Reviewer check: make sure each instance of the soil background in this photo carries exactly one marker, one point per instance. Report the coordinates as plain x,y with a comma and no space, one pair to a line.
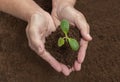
102,63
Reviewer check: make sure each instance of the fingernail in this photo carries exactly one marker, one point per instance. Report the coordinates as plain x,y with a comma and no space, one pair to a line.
88,35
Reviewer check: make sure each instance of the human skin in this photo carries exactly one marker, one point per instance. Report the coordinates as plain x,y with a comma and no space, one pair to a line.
41,24
64,9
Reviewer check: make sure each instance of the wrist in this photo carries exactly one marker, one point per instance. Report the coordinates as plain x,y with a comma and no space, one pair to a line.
33,12
63,3
31,9
38,16
59,5
22,9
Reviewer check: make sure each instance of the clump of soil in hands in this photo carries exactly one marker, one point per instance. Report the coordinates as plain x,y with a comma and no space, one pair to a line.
63,54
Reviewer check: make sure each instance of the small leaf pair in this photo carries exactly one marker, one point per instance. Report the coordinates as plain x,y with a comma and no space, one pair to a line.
61,41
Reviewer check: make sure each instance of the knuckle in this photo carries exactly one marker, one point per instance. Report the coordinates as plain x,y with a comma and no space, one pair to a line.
84,44
86,25
77,16
81,15
80,61
40,51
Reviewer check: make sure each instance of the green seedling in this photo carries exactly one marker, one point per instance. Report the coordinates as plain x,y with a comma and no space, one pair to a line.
65,29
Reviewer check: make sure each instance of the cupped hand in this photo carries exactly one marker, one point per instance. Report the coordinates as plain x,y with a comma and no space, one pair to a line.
75,17
39,27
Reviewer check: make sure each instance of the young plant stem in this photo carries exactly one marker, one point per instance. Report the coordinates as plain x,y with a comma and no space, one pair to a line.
66,37
73,43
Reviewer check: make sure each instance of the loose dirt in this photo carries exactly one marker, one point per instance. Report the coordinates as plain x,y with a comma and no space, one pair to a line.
63,54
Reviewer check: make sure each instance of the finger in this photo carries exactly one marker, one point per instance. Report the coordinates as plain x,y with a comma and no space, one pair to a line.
83,26
56,21
36,42
51,26
52,61
38,47
77,66
65,70
82,51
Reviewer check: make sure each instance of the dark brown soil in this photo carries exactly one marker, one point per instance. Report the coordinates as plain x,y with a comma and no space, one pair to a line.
18,63
63,54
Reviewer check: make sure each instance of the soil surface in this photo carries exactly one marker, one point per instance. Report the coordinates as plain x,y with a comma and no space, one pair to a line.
63,54
18,63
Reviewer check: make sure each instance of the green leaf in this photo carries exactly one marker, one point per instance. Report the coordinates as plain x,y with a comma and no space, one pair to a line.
64,26
61,42
73,44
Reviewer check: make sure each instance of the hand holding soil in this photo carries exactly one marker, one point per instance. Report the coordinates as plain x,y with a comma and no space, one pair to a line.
41,24
64,10
63,45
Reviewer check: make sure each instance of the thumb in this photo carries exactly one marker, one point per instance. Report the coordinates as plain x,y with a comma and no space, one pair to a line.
36,42
55,18
83,26
84,29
